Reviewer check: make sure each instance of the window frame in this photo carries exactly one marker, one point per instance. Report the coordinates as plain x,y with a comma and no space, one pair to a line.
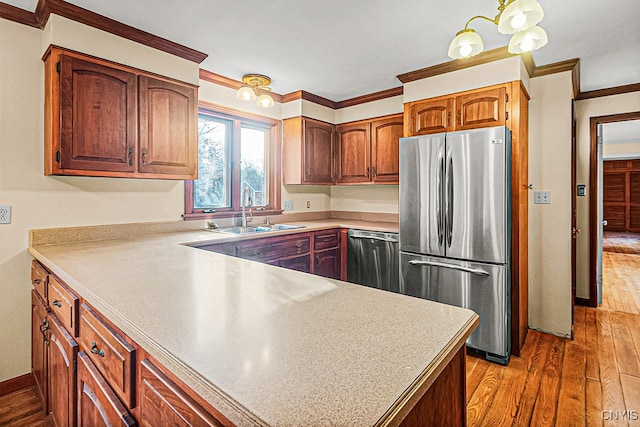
274,164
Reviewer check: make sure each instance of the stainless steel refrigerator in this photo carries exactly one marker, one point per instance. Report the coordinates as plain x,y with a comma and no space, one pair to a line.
455,228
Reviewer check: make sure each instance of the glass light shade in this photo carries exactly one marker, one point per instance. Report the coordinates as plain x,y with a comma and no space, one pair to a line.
465,44
528,40
265,101
245,93
520,15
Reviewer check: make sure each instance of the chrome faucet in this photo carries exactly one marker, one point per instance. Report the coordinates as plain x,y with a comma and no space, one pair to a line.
247,202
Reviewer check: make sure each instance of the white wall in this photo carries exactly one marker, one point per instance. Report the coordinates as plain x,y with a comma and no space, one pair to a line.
585,109
621,150
40,201
550,225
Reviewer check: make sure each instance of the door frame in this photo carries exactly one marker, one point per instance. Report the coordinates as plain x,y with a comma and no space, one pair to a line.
594,197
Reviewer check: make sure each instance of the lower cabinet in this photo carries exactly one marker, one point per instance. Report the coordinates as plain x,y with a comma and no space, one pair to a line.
98,405
62,374
302,263
327,263
39,349
163,403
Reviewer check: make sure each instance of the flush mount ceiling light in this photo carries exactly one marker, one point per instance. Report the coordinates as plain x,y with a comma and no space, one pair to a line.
254,87
517,17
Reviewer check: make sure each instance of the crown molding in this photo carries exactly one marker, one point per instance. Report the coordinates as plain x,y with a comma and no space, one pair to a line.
455,65
18,15
376,96
617,90
44,8
308,96
572,65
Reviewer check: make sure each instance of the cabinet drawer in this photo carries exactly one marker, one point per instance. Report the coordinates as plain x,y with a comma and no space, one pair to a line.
39,278
110,352
64,304
326,239
274,248
162,402
97,404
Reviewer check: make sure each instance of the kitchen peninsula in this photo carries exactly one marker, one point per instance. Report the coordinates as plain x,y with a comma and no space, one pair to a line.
256,344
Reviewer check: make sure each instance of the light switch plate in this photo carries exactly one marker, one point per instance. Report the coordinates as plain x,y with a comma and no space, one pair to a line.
288,205
5,214
542,197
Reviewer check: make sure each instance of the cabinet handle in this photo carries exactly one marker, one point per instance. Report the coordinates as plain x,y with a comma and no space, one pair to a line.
57,303
459,118
448,119
130,152
94,349
144,157
368,173
36,281
44,326
317,260
374,172
298,245
307,171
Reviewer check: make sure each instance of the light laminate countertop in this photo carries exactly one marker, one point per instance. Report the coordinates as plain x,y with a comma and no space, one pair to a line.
262,344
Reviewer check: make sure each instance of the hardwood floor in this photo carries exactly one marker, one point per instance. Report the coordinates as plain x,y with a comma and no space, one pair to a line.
588,381
624,243
23,408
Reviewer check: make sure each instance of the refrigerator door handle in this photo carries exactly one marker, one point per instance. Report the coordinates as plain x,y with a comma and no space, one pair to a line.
384,239
440,200
449,208
478,271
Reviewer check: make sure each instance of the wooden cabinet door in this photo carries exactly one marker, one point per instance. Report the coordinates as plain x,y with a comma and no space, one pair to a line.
481,109
385,139
354,152
97,404
168,137
63,350
634,200
98,123
430,116
302,263
163,403
317,152
39,328
614,207
327,264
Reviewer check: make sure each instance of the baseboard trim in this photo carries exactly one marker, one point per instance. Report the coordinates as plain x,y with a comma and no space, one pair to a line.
17,383
584,302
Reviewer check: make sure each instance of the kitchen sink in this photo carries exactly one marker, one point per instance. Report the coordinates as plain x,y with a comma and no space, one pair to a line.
259,229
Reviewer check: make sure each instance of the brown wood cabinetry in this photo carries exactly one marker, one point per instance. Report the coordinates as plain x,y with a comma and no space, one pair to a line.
327,253
367,150
61,374
621,195
301,263
97,403
466,110
39,279
112,355
39,353
500,105
163,403
107,119
308,151
64,304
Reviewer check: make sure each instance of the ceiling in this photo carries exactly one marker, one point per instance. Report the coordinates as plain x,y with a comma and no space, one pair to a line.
342,49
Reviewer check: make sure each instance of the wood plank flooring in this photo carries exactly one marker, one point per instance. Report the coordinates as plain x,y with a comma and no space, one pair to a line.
588,381
23,408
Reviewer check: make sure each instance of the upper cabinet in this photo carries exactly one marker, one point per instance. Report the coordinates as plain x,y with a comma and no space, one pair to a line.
308,151
367,150
467,110
106,119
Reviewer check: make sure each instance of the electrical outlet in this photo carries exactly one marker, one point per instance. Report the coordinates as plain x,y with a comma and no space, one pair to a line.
5,214
288,205
542,197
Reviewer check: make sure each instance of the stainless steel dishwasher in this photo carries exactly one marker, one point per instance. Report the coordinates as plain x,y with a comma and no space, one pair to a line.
373,259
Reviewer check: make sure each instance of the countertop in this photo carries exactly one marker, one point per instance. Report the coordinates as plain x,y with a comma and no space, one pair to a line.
264,345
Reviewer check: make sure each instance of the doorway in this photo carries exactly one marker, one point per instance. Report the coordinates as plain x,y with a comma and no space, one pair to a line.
614,191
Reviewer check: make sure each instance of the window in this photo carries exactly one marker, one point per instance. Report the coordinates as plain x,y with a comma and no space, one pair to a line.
235,151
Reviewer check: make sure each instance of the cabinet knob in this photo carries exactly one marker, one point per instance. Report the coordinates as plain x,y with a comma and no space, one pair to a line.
36,281
130,153
94,349
144,157
57,303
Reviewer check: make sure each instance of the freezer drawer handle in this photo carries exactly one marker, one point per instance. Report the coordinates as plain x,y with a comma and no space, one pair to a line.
477,271
384,239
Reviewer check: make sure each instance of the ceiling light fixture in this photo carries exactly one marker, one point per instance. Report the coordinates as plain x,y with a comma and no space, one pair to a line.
517,17
255,86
